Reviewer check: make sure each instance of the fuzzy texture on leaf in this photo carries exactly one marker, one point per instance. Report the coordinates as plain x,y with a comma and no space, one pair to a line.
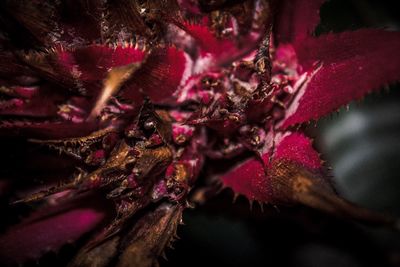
252,178
163,72
351,66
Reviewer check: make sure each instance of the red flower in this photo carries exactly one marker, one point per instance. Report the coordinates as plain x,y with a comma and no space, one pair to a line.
139,117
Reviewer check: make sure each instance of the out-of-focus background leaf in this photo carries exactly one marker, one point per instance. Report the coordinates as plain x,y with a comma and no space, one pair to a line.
363,147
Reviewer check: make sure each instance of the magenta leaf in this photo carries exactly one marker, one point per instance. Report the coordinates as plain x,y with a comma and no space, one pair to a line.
223,50
160,76
207,41
253,181
91,63
351,65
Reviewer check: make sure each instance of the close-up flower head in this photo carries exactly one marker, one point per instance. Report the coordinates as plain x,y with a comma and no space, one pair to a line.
119,117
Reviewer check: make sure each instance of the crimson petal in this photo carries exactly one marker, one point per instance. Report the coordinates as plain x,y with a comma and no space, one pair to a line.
352,64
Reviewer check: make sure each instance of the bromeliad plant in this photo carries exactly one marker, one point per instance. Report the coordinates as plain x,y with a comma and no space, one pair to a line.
138,97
